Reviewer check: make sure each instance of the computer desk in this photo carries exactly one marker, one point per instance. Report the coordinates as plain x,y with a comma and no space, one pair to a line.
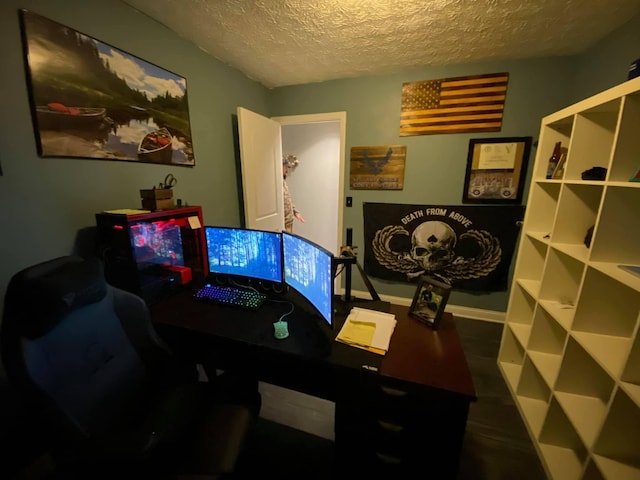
394,414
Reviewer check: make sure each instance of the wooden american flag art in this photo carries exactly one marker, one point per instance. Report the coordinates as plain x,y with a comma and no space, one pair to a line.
453,105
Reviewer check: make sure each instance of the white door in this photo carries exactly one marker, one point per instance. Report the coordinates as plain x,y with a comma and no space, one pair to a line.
318,188
261,166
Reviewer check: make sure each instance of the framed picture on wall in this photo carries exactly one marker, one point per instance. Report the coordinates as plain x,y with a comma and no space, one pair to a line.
430,300
92,100
496,170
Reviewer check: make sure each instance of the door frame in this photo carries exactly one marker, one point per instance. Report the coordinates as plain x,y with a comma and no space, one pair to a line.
340,117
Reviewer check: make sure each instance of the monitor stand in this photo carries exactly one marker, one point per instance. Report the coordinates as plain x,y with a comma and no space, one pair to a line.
343,304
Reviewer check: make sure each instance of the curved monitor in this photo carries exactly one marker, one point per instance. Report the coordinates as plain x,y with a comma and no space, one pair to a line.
250,254
308,268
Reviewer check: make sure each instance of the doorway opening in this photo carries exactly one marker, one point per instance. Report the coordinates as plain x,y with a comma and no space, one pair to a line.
317,183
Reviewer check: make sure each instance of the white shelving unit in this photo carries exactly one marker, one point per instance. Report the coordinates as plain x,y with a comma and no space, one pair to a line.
570,351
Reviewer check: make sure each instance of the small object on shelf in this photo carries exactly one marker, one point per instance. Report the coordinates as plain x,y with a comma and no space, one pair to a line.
558,172
634,69
636,176
554,160
635,269
588,236
594,173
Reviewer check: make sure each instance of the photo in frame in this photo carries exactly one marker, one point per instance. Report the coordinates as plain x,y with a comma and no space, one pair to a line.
91,100
430,300
496,170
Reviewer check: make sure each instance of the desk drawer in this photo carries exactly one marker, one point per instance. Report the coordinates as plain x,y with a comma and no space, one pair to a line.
395,428
396,404
395,456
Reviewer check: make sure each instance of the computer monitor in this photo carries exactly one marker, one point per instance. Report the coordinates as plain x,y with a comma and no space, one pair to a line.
157,242
308,268
244,254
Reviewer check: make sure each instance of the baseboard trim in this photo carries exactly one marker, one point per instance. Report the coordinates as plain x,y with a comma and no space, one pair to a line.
456,310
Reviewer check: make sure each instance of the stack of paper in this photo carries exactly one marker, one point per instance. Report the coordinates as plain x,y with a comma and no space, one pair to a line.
368,329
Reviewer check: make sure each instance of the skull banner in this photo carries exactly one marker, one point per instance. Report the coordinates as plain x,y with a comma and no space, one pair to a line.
469,247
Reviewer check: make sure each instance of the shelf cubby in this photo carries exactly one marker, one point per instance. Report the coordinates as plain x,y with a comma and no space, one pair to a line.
625,158
615,239
616,470
617,273
631,373
533,394
511,358
592,472
561,280
558,131
522,305
546,345
530,286
577,210
533,251
605,319
592,139
584,397
606,306
619,438
539,218
562,313
561,447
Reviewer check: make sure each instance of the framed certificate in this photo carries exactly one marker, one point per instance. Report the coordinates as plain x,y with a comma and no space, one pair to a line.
496,170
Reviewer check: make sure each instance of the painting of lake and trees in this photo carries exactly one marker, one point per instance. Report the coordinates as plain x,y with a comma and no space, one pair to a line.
91,100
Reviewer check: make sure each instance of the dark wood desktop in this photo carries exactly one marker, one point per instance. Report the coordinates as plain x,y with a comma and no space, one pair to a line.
394,413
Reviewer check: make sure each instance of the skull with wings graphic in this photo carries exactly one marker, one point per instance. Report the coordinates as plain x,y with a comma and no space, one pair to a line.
434,251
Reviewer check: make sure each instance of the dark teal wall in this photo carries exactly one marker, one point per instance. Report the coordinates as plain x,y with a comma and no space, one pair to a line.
435,164
46,201
606,64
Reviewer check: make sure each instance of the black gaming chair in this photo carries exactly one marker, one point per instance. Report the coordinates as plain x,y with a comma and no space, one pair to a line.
109,393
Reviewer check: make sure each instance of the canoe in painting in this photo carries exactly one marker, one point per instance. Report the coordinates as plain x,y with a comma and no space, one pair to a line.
156,146
57,116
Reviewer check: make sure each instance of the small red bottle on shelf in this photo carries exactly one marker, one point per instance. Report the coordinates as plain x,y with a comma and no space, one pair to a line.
555,158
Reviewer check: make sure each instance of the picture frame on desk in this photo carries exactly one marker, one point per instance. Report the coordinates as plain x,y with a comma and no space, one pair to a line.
429,301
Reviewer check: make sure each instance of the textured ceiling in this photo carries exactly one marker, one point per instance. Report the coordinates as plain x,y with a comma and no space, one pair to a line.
289,42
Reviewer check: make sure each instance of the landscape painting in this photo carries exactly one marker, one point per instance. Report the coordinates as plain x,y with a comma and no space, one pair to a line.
91,100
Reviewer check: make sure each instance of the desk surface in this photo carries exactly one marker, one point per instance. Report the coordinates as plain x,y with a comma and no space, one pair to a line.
417,354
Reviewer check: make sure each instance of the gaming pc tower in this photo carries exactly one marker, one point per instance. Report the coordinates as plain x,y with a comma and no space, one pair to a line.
152,254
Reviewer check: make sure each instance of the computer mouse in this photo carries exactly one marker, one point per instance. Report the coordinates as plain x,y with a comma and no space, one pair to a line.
281,330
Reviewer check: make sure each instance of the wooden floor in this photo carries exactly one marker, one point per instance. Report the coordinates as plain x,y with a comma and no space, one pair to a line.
294,436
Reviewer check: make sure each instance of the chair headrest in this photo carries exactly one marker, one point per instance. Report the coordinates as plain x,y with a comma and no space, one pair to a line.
42,295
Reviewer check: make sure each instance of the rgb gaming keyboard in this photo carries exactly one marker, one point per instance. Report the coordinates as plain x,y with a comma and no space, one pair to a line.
231,296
